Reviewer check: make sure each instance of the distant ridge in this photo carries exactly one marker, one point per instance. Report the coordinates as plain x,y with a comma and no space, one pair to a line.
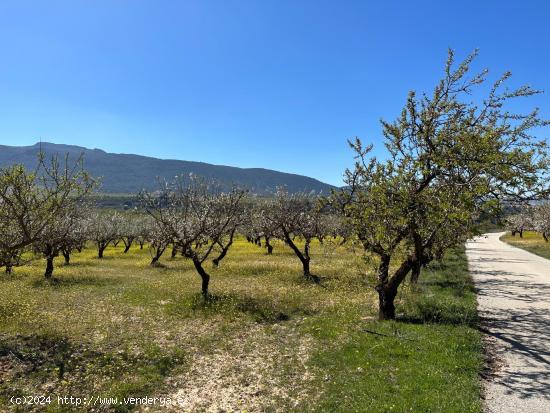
126,173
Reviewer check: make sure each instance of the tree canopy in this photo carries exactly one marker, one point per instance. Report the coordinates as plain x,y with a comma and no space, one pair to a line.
450,159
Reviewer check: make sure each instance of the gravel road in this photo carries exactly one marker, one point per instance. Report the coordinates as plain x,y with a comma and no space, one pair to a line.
514,303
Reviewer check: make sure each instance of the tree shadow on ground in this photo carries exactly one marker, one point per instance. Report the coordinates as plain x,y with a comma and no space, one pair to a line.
35,359
35,353
72,281
261,310
516,325
524,337
441,300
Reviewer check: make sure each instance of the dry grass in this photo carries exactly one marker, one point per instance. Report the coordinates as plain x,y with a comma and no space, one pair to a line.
531,241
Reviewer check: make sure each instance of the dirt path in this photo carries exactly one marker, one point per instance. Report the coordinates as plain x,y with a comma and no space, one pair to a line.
514,303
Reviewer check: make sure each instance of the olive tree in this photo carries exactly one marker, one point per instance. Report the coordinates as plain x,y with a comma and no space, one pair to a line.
195,217
449,159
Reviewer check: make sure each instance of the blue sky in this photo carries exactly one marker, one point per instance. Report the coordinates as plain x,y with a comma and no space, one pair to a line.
274,84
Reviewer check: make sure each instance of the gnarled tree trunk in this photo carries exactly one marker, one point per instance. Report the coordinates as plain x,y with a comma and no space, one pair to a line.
204,276
225,248
304,257
386,306
387,287
49,267
127,243
101,245
158,253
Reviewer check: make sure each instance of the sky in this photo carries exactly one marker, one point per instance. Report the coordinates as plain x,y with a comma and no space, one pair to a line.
266,83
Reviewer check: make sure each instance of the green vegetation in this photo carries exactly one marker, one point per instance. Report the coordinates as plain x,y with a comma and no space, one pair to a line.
531,241
429,361
266,340
451,161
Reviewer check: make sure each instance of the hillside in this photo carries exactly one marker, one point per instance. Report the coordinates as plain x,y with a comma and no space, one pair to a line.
126,173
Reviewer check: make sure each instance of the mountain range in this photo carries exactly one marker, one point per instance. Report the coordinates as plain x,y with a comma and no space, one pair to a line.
127,173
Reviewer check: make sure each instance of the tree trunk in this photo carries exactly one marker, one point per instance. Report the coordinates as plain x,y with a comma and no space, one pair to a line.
545,236
128,244
268,246
304,257
305,267
9,268
387,287
67,256
174,251
216,261
100,249
49,267
386,306
521,234
204,276
415,271
158,253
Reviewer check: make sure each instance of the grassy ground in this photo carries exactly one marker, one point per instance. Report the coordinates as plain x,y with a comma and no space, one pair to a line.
267,341
531,241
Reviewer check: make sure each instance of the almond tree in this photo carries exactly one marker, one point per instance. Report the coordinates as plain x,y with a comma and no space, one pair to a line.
58,237
523,221
77,236
31,200
159,238
449,160
540,219
9,257
226,241
297,220
130,229
104,228
259,225
145,227
195,217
